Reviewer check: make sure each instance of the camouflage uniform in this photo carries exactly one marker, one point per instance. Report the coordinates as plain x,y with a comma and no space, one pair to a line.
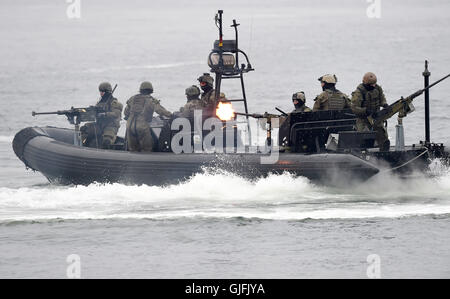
331,100
300,107
139,113
208,96
208,99
366,102
304,108
193,101
103,132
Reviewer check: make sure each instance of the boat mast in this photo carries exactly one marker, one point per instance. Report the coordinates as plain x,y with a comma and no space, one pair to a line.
426,76
224,62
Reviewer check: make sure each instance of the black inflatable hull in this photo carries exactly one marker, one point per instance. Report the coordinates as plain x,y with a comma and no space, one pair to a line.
50,151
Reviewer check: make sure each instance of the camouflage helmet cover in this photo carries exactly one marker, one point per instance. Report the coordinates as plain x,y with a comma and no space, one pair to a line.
105,87
146,86
328,78
299,96
222,97
192,91
206,77
369,78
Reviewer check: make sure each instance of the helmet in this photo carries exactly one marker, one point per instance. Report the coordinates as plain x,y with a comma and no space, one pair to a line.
146,86
369,78
206,77
328,79
105,87
222,97
192,91
299,96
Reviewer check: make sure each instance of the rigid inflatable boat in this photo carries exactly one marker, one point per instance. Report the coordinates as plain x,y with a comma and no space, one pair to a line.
51,151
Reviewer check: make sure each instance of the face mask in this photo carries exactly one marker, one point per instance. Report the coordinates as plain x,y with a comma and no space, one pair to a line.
146,91
105,96
330,86
205,88
299,104
369,87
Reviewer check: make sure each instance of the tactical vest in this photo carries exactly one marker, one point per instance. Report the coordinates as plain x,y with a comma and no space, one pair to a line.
140,110
370,99
190,106
106,107
206,97
336,100
193,104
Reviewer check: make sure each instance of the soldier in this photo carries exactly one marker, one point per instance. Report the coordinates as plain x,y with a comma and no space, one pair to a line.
103,132
330,98
366,101
207,85
139,113
299,100
193,101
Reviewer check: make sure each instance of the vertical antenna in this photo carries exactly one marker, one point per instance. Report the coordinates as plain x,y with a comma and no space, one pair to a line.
220,29
219,76
426,76
235,25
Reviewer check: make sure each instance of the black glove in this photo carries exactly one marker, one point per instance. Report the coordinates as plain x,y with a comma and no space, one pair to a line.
369,111
385,105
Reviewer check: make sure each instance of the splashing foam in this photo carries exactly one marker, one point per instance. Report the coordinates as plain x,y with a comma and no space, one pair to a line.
434,183
224,195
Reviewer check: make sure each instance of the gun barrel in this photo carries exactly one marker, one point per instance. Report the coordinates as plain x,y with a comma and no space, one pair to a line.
282,112
243,114
256,115
33,113
438,81
419,92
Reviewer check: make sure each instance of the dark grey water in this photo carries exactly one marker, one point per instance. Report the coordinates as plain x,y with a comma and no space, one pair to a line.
228,248
216,224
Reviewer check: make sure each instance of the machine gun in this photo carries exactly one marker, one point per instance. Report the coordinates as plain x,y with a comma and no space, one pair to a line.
268,117
403,106
75,116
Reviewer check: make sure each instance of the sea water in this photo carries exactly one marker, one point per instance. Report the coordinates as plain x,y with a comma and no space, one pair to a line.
218,224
